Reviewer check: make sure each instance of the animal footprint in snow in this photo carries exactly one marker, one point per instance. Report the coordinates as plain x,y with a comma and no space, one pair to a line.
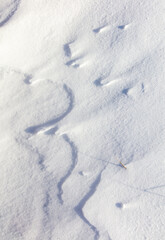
119,205
30,80
83,173
100,29
73,63
105,81
73,54
123,27
135,91
67,49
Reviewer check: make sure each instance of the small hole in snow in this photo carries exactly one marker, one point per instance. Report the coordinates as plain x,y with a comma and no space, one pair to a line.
119,205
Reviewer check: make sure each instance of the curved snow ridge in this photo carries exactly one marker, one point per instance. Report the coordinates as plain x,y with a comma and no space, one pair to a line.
43,127
41,161
46,221
47,186
81,204
74,159
8,11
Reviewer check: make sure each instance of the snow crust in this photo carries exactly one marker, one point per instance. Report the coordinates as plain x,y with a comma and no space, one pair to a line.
82,89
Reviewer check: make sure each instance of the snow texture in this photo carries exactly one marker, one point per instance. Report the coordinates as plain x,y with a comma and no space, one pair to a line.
82,92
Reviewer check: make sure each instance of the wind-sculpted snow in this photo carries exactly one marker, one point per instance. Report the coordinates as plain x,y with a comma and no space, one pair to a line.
45,126
82,100
80,206
7,10
74,159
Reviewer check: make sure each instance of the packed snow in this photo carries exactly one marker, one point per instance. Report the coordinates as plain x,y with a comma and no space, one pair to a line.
82,107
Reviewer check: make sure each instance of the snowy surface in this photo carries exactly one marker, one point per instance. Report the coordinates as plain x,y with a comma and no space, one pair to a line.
82,87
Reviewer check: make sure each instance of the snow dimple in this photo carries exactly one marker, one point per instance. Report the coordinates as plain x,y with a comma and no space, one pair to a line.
8,11
28,78
74,159
119,205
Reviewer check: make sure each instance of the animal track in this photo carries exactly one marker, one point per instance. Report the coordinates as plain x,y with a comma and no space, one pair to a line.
125,91
82,173
134,91
73,54
67,49
73,63
99,29
123,27
101,81
8,11
30,80
119,205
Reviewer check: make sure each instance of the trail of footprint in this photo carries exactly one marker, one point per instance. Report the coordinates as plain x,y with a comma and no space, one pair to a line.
8,11
27,79
134,91
46,126
99,29
101,81
73,63
30,80
123,27
80,206
104,27
71,168
67,49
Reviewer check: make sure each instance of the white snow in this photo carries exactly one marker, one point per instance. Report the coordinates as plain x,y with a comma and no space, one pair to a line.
82,89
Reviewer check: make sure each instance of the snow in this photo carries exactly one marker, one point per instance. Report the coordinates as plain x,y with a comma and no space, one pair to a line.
82,89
